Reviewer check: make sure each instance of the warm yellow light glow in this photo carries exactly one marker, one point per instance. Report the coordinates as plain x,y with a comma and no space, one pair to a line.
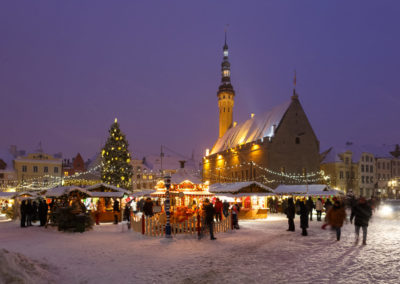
122,178
252,115
234,123
128,160
115,120
220,157
207,152
255,147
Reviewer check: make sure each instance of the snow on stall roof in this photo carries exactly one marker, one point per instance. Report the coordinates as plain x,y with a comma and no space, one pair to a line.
185,174
236,187
118,194
62,190
108,186
255,128
301,188
7,195
143,192
259,194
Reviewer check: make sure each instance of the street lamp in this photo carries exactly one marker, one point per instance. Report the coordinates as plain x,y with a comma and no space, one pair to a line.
167,183
393,184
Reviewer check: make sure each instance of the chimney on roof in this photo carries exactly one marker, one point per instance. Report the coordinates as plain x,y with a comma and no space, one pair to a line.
182,164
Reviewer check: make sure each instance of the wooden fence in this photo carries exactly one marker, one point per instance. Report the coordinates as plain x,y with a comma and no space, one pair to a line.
195,225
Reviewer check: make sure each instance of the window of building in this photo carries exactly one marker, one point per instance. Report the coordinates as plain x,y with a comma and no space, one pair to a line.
65,174
362,158
352,174
366,168
379,176
341,174
361,192
372,179
388,166
367,179
347,175
24,169
347,160
297,140
362,168
366,158
371,169
56,169
383,165
378,165
46,169
362,179
35,169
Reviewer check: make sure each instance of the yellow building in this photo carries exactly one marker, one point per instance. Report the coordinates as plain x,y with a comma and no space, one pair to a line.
36,170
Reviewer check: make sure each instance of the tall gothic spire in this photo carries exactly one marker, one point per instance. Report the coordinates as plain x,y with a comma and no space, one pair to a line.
226,85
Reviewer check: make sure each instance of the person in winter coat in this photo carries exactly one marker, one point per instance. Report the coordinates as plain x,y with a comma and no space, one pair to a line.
218,210
235,216
310,206
297,206
148,208
43,208
335,217
290,214
328,205
303,218
23,213
225,208
318,208
116,211
362,212
29,213
209,211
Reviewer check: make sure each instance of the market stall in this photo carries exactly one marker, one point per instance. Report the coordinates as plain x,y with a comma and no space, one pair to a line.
102,199
252,196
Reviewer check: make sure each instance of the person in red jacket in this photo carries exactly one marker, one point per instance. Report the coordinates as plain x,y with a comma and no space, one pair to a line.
218,210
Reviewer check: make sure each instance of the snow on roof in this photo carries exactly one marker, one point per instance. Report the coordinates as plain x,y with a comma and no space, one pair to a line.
62,190
236,187
255,128
7,195
260,194
8,158
379,151
118,194
104,185
143,192
301,188
185,174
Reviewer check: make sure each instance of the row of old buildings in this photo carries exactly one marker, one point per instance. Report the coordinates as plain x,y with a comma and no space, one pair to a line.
278,146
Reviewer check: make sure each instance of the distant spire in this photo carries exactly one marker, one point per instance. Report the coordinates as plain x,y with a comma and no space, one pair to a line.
226,85
294,96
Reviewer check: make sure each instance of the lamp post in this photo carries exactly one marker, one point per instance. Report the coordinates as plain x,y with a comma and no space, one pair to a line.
167,183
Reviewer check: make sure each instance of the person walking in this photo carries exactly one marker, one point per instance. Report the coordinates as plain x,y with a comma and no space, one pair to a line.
310,206
361,214
335,217
116,211
318,208
23,213
303,218
218,210
290,214
209,211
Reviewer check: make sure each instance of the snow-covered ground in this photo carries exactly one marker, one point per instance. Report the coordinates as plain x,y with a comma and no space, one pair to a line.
260,252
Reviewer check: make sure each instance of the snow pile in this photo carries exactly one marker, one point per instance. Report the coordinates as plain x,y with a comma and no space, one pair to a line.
17,268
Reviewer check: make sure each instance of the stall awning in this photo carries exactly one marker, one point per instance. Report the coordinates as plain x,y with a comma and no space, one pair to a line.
240,187
313,189
100,187
64,190
7,195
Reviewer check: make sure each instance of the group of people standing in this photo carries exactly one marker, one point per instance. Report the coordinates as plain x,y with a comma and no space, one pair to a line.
31,211
361,212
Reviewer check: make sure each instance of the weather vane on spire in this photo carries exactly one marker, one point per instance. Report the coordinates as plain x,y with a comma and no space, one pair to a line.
295,79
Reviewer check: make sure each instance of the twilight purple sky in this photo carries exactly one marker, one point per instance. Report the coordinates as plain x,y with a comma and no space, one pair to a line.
68,68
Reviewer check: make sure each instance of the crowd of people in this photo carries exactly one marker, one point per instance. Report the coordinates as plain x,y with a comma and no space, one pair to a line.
32,211
361,212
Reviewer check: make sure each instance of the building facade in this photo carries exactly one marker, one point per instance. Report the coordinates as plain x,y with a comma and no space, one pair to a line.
278,146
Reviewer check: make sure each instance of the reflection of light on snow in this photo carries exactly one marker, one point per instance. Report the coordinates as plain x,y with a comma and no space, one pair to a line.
386,210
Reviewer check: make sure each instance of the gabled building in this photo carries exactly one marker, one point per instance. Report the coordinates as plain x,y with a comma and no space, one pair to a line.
278,146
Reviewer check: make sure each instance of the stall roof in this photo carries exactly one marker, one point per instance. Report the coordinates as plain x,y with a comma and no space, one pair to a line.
184,174
142,192
313,189
235,187
107,194
62,190
7,195
104,185
258,194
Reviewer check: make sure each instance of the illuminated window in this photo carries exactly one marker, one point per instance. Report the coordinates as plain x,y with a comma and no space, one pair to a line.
66,174
24,169
35,169
46,169
226,73
55,169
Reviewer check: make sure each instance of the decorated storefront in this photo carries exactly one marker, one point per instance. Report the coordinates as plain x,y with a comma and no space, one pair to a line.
251,196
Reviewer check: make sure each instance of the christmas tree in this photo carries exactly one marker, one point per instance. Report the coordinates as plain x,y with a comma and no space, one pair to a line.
115,165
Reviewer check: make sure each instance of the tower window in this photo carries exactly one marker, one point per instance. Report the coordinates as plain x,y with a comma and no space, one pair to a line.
297,140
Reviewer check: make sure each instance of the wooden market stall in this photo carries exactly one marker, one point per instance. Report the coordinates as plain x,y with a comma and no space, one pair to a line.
102,201
313,190
253,197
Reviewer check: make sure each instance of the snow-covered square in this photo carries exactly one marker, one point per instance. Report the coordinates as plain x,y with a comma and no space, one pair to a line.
262,251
